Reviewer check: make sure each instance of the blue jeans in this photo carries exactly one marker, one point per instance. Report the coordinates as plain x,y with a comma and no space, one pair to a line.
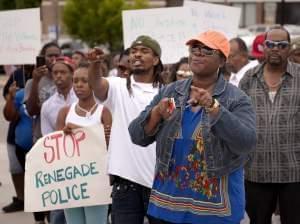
87,215
130,202
57,217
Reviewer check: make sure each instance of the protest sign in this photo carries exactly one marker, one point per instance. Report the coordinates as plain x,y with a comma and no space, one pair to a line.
64,171
20,36
172,27
215,17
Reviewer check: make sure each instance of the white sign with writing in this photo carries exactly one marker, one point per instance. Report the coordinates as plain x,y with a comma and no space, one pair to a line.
20,36
208,16
64,171
173,27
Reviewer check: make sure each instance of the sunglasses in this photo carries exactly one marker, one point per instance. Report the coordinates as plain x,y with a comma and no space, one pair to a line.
279,44
203,50
184,74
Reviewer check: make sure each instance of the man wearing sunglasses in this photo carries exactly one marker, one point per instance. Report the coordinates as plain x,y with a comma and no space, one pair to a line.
274,173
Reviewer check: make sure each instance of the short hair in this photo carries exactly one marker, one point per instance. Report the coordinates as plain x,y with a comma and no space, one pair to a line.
79,52
48,45
83,64
241,44
124,53
278,27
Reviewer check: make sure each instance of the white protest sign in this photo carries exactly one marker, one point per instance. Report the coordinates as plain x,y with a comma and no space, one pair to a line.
208,16
20,36
64,171
171,27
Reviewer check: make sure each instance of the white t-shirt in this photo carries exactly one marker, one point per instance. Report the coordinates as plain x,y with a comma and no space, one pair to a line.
235,78
126,159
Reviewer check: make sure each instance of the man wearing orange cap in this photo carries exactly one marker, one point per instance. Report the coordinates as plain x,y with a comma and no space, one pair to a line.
202,141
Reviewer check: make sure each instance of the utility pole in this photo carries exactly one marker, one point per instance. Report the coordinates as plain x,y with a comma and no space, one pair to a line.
56,13
282,10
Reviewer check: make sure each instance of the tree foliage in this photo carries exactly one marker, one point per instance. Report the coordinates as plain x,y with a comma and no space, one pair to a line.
98,21
19,4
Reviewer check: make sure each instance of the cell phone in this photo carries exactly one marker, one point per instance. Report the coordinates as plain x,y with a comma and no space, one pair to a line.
40,61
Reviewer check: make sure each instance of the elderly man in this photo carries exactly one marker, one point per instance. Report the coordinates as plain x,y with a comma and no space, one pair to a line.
295,51
238,60
274,173
204,129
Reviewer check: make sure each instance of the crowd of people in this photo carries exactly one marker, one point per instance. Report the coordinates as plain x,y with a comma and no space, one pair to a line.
204,140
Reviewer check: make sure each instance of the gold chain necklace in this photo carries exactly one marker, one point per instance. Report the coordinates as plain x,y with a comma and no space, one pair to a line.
88,113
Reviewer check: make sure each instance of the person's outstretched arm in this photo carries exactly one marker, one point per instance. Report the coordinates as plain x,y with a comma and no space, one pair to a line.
96,70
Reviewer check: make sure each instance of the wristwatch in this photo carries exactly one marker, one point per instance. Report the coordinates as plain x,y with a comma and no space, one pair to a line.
215,104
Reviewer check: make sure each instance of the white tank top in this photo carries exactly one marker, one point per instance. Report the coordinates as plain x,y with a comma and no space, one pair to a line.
74,118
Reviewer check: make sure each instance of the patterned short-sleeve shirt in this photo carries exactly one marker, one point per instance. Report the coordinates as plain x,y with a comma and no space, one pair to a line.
277,155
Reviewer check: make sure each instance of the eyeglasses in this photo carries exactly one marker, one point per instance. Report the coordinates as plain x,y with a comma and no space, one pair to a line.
279,44
203,50
184,74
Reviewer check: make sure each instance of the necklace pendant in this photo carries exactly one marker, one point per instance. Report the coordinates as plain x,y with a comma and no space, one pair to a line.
88,114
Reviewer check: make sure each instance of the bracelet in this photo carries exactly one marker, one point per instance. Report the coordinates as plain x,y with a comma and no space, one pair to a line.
215,104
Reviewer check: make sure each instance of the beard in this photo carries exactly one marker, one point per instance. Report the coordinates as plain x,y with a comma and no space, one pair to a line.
138,71
275,60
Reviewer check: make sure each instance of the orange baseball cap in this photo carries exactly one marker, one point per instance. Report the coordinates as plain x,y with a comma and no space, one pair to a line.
214,40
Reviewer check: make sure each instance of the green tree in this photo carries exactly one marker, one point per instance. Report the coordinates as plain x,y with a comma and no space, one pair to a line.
98,21
19,4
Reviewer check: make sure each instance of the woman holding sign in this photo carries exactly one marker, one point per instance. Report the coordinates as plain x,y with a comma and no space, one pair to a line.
85,112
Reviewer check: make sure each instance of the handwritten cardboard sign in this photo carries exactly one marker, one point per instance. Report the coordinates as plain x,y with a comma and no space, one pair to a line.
215,17
173,27
64,171
20,36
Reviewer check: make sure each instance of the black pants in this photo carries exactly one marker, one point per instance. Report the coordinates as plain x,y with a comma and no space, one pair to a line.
261,200
130,203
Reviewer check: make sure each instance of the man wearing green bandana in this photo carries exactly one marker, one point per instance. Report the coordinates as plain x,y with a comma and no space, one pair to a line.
130,166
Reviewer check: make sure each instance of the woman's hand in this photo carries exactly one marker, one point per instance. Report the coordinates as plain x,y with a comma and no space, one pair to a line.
200,97
68,129
12,90
164,109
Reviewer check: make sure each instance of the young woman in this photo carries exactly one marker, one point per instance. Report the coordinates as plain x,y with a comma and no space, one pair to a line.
180,70
85,112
